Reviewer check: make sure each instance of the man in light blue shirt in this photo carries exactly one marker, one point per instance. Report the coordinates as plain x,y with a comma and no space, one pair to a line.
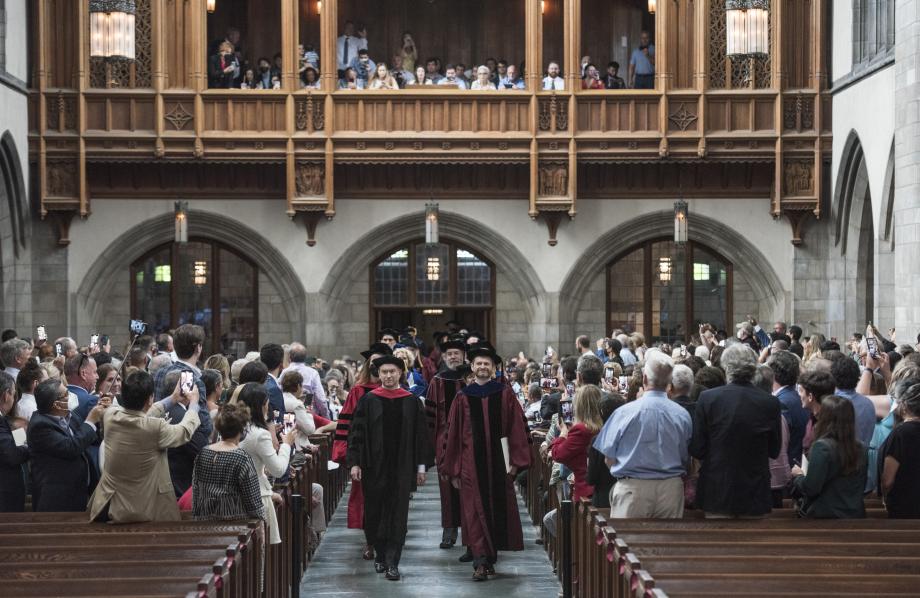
642,64
511,79
646,446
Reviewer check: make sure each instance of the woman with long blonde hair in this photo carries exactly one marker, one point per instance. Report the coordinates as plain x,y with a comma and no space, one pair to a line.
813,347
571,448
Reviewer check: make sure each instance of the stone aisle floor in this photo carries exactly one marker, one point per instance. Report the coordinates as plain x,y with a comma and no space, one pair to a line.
427,571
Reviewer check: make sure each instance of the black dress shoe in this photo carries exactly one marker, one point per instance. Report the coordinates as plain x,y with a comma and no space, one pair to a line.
490,569
448,538
480,574
380,567
393,574
368,552
467,556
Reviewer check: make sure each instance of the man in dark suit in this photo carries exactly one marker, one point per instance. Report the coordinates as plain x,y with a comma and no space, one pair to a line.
785,368
62,477
12,486
736,430
272,356
188,342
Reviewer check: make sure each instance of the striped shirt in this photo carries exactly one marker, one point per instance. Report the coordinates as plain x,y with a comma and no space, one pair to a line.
225,486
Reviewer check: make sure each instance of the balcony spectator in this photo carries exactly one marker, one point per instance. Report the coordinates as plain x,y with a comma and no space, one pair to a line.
135,484
62,473
500,71
450,78
223,67
585,61
432,71
613,80
552,80
351,81
382,79
408,54
833,487
402,76
592,79
12,457
347,46
264,74
364,67
511,80
462,74
310,78
249,79
642,64
277,65
493,68
309,55
482,81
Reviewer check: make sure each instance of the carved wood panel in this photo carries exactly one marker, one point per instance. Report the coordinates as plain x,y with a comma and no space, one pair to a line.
798,177
739,114
614,113
309,179
797,43
443,114
242,113
120,114
61,113
61,179
682,46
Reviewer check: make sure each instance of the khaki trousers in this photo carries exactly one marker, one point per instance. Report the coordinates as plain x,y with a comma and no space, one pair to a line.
632,498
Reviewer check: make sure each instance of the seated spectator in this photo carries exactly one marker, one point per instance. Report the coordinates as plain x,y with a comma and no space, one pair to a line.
264,74
645,445
450,78
836,478
335,389
277,66
612,79
225,485
736,430
260,443
402,76
585,61
30,376
223,67
364,67
421,77
12,457
62,474
900,479
432,71
350,80
532,408
249,79
382,79
552,80
462,75
135,484
511,80
482,81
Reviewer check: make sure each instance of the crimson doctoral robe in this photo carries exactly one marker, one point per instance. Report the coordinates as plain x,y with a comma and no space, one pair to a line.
480,416
441,392
340,447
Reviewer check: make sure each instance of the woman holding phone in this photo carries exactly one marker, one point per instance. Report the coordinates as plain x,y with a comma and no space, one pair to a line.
109,382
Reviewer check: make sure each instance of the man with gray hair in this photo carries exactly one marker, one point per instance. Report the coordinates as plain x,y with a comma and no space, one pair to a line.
68,346
311,381
15,353
645,445
736,431
681,385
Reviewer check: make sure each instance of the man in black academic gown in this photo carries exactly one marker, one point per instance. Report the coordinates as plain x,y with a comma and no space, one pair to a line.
441,392
389,450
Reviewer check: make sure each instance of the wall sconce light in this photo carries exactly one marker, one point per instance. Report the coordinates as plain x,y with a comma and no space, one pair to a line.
432,312
212,6
319,7
181,211
431,223
680,221
652,6
543,7
664,269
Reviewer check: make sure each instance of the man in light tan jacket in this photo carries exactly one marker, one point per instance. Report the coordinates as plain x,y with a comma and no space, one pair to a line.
135,484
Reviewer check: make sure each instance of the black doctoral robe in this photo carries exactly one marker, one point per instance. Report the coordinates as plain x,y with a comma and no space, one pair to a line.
388,440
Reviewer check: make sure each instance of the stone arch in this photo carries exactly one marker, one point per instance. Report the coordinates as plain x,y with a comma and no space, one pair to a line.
854,233
712,233
128,247
513,272
15,272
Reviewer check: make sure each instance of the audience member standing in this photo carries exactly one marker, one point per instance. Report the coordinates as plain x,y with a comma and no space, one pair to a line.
846,375
136,484
785,366
645,445
642,64
14,354
736,432
901,458
62,475
836,479
12,457
311,381
272,356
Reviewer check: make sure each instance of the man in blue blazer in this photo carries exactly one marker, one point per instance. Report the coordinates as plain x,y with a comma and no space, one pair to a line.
272,356
62,476
785,366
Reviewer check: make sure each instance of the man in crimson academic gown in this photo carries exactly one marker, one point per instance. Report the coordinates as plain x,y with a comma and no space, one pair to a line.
484,417
441,392
389,450
340,440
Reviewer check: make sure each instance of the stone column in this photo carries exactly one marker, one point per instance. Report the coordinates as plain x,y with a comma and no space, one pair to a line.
907,169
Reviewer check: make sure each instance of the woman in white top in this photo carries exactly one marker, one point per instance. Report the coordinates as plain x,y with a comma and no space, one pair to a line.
382,79
482,79
421,76
267,455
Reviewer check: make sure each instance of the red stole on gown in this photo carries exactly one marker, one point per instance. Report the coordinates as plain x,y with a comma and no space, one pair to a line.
339,446
481,415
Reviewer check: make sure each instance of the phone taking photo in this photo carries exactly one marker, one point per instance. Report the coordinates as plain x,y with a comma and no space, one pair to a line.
94,343
608,375
186,380
40,333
